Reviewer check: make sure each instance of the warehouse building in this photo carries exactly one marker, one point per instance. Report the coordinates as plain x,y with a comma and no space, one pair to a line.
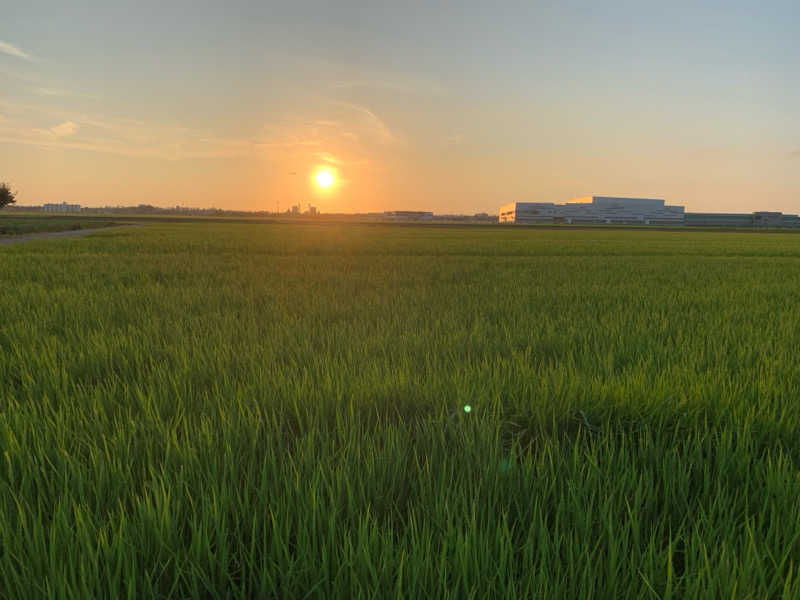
409,215
756,219
594,210
635,211
62,208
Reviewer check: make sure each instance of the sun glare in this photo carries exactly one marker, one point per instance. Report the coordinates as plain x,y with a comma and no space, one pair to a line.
324,178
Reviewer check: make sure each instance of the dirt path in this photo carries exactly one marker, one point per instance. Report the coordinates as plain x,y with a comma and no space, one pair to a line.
27,237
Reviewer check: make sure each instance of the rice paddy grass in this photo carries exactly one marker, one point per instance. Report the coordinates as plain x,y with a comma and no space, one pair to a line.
14,224
212,410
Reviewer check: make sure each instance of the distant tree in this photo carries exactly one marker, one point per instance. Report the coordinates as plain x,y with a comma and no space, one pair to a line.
6,195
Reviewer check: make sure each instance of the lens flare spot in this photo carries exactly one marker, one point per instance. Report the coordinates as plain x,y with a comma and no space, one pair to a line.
467,408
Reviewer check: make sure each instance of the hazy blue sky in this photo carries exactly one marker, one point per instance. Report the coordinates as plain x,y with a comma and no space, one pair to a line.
452,107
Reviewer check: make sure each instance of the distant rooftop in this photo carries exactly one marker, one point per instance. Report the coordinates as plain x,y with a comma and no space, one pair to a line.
615,201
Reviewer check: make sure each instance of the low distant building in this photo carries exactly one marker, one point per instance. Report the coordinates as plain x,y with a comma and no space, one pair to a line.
312,211
409,215
595,210
635,211
61,208
790,220
755,219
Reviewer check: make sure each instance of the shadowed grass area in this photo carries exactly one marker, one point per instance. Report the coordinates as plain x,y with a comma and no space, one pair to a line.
16,224
233,410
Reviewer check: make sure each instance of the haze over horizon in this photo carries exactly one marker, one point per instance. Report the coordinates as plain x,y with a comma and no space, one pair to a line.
455,108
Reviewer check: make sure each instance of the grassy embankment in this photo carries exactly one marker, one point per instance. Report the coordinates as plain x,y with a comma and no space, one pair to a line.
231,410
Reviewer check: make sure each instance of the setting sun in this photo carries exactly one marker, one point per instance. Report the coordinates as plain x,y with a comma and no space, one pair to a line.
324,178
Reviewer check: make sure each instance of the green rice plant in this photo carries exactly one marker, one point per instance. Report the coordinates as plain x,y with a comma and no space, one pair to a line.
13,224
233,410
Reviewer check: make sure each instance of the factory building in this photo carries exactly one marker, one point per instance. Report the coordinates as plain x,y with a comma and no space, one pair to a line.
635,211
756,219
594,210
62,208
409,215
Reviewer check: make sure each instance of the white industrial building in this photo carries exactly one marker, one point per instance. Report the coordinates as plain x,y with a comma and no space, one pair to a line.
594,209
62,208
409,215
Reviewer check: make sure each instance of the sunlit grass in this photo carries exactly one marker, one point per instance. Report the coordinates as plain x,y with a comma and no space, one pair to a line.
231,410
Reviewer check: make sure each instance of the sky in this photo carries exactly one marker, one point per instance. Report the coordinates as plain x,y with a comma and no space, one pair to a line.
452,107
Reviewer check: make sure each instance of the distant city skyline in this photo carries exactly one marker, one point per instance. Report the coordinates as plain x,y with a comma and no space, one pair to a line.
366,107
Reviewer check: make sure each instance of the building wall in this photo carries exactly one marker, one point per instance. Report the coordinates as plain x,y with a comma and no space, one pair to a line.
597,210
63,207
756,219
634,211
790,221
410,215
634,204
506,213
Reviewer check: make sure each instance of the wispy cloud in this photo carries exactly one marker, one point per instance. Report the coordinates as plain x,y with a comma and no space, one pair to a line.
407,86
55,132
339,133
12,50
370,123
329,158
24,77
131,137
338,161
64,129
44,91
35,84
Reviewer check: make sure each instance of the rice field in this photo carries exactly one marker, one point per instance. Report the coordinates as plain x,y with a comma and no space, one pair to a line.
229,410
14,224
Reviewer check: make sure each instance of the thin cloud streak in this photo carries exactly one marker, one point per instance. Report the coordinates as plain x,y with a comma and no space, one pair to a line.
61,130
12,50
126,137
64,129
372,122
329,158
39,91
24,77
403,87
348,138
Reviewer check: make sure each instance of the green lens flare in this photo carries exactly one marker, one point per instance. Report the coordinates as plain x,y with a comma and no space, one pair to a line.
467,408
